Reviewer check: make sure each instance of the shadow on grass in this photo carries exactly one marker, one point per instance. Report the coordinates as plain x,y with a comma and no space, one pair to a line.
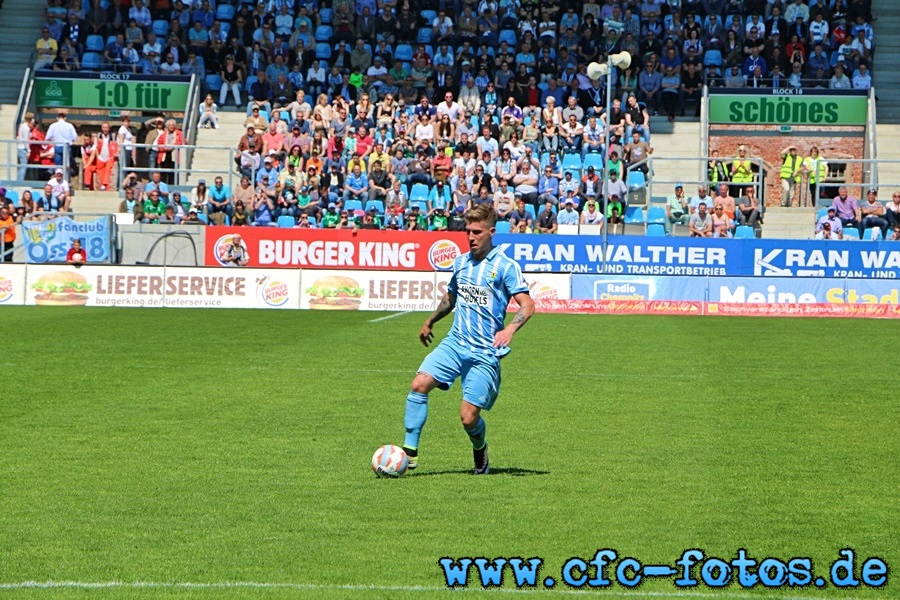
508,471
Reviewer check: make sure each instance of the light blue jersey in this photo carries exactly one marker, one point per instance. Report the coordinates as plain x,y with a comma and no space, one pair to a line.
483,291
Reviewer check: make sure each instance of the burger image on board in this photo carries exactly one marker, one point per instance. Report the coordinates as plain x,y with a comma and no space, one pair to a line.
61,288
335,292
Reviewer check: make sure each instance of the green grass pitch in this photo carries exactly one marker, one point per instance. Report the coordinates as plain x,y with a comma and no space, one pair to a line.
150,450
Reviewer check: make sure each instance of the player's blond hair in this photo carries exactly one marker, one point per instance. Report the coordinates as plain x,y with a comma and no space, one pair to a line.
482,213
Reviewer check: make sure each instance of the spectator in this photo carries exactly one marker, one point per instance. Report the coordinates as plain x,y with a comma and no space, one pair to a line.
47,48
8,231
834,223
873,213
590,215
701,224
207,110
678,209
847,209
747,212
546,222
791,167
892,211
721,222
568,216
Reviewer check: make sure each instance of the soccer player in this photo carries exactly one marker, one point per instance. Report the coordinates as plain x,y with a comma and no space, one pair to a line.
483,282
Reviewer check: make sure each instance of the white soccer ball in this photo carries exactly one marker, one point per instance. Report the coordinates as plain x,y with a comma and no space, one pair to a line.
78,257
390,461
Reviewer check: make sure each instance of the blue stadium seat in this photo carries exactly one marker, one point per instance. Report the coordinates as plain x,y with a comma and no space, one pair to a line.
508,36
324,33
224,12
713,57
424,36
323,51
634,215
656,230
423,206
94,43
851,233
326,16
530,210
203,218
250,81
377,204
502,227
572,162
428,16
744,232
636,180
593,159
419,191
13,196
90,61
213,82
656,215
404,53
160,27
822,212
286,221
872,234
353,205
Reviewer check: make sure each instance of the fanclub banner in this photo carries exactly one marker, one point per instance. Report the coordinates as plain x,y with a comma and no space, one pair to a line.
719,257
65,285
50,240
338,248
12,284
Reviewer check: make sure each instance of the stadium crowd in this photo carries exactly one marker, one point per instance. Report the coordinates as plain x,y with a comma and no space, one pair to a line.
403,114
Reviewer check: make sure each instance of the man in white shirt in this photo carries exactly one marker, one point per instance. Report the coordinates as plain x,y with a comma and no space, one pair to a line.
60,189
62,134
450,108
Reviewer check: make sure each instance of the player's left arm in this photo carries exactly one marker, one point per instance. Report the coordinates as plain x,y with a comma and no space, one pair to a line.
526,308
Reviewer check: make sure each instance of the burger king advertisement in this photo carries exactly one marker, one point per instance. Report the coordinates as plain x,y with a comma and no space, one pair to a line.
344,249
372,290
175,287
12,288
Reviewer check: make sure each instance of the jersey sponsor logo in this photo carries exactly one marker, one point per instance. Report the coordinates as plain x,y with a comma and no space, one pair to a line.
474,294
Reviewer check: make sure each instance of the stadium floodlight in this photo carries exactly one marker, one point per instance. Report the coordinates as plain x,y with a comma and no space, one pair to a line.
595,71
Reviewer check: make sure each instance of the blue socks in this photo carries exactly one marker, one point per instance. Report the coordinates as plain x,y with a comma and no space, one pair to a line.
477,434
416,415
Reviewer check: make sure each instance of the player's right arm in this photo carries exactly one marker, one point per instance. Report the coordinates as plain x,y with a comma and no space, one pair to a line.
445,307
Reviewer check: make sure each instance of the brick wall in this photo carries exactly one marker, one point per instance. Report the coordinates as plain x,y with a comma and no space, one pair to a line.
769,148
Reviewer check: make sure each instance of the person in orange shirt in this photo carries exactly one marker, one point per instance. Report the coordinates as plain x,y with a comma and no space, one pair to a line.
8,228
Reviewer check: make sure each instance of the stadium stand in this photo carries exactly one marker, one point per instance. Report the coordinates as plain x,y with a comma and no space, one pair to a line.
345,83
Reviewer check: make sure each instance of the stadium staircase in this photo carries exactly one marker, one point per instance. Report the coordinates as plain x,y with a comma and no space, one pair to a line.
231,128
20,27
886,76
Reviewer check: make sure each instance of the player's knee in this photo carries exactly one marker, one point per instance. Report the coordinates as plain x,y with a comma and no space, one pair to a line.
468,417
421,384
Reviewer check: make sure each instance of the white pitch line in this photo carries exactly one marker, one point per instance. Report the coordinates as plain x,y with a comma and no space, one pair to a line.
94,585
399,314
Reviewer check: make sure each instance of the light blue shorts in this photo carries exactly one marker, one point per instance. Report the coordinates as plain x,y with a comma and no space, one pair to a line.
480,372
